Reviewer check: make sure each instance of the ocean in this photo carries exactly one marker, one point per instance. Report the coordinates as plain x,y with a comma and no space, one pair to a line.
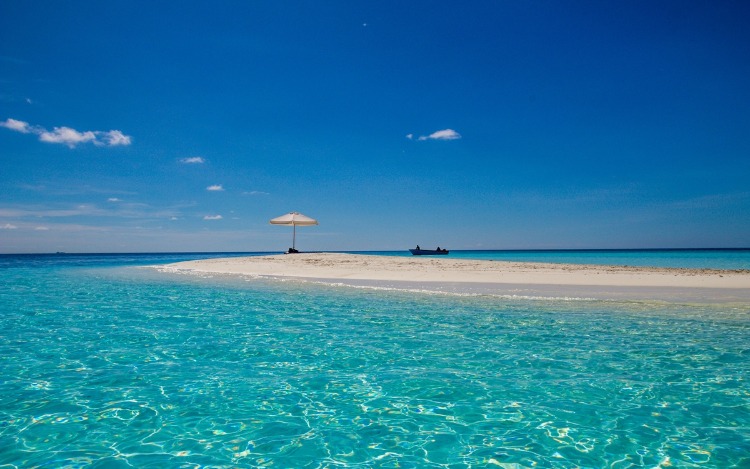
727,259
106,362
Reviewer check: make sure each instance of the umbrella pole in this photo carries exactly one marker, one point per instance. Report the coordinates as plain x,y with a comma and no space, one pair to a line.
294,235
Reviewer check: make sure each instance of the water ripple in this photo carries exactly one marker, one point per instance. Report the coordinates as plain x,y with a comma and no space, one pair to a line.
109,368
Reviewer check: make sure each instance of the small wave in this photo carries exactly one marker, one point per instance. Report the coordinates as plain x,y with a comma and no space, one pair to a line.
428,291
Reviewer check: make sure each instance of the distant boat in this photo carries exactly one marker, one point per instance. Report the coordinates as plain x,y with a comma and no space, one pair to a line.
429,252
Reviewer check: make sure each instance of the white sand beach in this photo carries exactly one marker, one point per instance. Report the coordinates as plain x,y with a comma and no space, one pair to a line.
483,276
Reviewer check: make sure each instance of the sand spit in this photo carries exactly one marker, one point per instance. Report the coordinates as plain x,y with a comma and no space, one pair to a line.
336,266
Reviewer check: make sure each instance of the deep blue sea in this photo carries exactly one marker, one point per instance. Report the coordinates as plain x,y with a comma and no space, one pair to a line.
107,363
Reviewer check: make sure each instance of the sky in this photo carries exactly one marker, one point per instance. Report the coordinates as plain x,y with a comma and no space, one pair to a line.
154,126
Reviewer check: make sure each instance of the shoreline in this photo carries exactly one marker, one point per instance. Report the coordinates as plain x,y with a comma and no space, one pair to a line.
486,277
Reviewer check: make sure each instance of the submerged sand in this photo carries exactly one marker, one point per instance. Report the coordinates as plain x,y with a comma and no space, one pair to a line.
439,273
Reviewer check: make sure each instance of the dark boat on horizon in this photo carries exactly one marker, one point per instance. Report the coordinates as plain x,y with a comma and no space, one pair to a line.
429,252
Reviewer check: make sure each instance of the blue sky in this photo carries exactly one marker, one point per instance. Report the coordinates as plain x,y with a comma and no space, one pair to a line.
185,126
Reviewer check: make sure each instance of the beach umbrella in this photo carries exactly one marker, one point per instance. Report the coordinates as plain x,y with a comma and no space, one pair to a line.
295,219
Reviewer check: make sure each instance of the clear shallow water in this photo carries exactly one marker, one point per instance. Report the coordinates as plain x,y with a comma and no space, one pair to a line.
124,366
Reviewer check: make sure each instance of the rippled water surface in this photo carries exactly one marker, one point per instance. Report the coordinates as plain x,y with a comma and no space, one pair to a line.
128,367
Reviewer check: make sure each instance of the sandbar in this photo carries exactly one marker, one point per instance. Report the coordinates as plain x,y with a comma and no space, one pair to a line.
485,276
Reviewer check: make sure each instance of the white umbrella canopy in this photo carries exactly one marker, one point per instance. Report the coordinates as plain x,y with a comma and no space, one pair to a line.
294,219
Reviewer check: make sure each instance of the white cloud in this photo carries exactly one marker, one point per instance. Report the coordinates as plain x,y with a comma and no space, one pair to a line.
215,187
213,217
447,134
193,160
41,228
18,126
255,193
68,136
8,226
114,138
114,199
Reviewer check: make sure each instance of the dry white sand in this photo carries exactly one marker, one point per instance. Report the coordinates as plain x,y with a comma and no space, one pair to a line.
463,274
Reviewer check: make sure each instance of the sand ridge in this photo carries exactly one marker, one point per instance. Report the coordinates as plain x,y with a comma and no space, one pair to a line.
443,269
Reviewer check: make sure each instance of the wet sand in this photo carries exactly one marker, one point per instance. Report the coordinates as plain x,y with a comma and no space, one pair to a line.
486,277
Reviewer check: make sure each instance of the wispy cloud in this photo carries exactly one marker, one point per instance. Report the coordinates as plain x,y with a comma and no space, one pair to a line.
120,209
59,188
447,134
213,217
114,138
215,188
68,136
18,126
8,226
43,212
193,160
255,193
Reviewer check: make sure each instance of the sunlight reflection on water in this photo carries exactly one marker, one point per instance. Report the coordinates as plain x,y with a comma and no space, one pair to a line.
127,366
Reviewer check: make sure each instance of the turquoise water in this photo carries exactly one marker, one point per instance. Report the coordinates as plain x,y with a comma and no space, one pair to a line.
107,364
728,259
